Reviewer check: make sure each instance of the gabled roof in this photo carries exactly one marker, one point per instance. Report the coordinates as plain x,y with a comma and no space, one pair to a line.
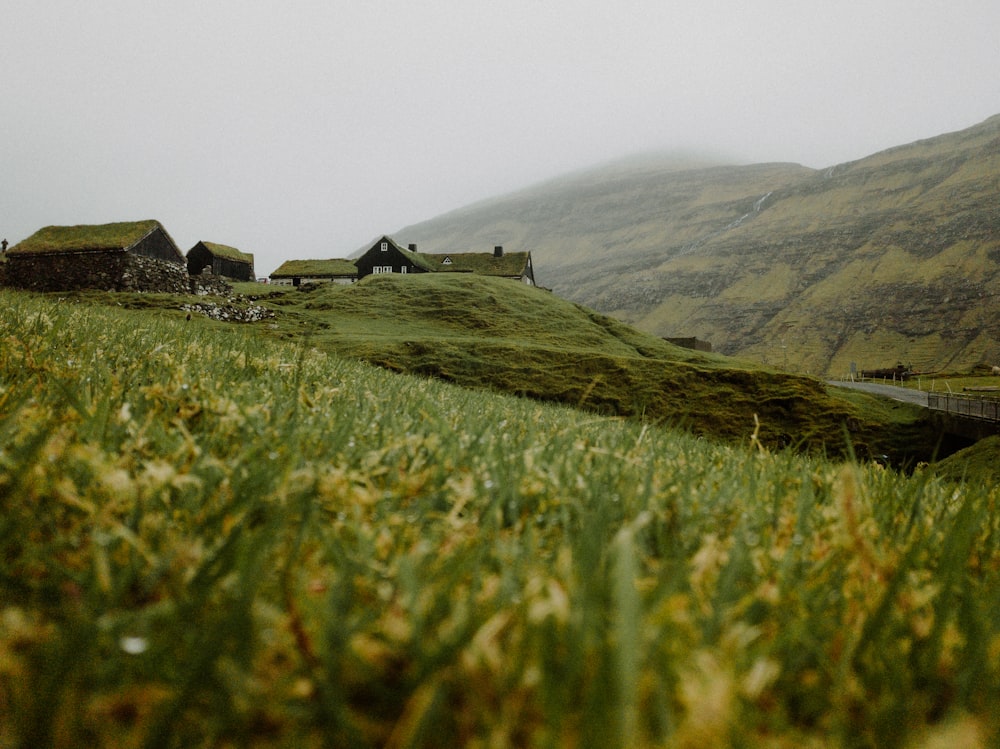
231,253
119,236
419,259
315,269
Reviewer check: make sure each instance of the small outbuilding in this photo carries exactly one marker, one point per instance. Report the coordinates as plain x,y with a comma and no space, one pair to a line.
298,272
127,256
220,260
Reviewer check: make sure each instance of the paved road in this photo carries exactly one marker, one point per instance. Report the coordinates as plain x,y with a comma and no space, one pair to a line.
907,395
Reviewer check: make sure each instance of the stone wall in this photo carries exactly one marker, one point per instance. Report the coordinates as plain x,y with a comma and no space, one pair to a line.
151,274
207,284
105,271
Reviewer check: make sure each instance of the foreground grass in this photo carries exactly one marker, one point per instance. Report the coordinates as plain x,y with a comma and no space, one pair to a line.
211,539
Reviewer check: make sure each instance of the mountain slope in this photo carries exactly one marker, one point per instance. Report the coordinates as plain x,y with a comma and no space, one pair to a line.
893,257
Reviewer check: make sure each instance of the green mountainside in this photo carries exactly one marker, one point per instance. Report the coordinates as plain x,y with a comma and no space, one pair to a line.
891,258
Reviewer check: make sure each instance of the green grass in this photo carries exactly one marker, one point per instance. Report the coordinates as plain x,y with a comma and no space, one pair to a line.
221,250
958,383
496,334
86,237
976,464
315,268
213,538
510,264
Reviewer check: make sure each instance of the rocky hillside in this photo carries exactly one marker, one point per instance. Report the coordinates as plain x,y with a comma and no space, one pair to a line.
891,258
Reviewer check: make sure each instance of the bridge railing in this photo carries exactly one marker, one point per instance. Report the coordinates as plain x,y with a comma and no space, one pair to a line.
987,409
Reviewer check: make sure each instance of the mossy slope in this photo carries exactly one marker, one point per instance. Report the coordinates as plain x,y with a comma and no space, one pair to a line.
494,333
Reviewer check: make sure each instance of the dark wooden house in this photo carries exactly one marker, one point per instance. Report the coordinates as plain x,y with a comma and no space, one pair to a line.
220,260
128,256
385,256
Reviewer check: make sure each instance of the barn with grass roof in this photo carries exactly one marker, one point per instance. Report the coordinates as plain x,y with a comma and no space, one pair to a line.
220,260
127,256
299,272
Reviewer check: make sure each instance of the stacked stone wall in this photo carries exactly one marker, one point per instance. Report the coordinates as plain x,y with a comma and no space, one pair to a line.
104,271
207,284
154,275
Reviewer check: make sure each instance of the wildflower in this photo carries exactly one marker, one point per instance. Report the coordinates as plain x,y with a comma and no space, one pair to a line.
133,645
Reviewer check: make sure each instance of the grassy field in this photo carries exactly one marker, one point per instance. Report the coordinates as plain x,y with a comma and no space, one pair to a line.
211,537
491,333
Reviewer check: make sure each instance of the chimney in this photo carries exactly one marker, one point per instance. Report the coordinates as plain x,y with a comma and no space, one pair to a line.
498,251
411,247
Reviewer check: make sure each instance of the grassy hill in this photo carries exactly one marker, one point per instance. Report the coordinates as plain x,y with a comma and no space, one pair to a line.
493,333
212,537
891,258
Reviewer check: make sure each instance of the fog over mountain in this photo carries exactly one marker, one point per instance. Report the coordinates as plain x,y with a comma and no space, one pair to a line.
303,130
891,258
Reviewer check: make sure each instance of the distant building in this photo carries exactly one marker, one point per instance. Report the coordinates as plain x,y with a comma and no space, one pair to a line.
385,256
298,272
128,256
221,260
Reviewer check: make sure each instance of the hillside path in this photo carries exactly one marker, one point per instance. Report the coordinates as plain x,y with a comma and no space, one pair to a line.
907,395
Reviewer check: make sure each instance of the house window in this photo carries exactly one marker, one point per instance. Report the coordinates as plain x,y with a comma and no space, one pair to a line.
403,269
382,269
385,246
446,261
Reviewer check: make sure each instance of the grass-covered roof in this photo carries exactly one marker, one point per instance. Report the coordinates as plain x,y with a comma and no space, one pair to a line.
117,236
316,269
484,263
221,250
421,259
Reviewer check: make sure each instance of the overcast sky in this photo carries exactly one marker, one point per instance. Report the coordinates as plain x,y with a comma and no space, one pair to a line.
305,128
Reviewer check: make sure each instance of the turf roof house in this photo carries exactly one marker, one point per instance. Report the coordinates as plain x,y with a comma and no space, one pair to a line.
221,261
385,256
128,256
298,272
